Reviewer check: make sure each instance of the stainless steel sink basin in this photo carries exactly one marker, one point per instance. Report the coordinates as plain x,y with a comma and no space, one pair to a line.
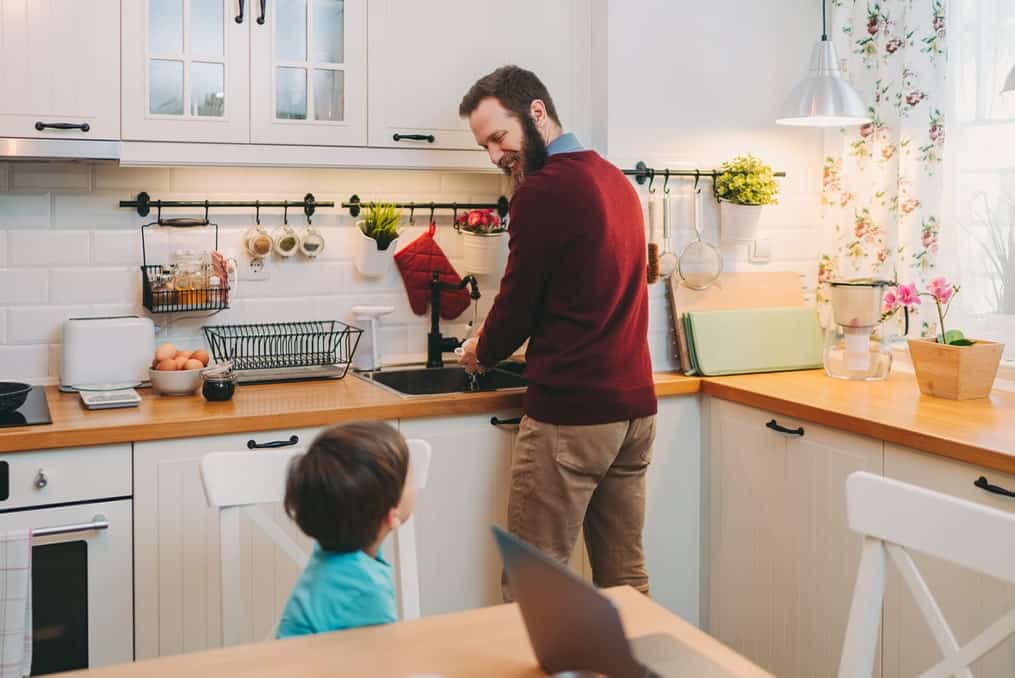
420,381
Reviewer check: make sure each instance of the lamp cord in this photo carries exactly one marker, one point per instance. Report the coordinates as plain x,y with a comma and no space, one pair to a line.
824,23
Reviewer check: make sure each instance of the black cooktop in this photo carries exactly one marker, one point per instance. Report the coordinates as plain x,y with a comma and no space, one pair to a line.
34,411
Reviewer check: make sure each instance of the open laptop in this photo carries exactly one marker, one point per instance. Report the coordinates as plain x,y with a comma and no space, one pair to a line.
573,627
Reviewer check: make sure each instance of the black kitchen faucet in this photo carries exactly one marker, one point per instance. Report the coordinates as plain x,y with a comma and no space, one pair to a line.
436,345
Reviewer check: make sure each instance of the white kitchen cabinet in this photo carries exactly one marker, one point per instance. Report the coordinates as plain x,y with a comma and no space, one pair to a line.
467,491
782,559
673,510
970,602
308,73
176,549
58,65
418,75
186,70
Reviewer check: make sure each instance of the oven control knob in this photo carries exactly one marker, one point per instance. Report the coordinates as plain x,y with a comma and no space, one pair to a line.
41,480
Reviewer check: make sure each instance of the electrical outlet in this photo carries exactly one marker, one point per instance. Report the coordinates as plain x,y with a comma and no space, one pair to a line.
760,251
254,270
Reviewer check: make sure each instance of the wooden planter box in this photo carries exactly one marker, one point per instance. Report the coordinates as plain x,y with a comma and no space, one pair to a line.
955,372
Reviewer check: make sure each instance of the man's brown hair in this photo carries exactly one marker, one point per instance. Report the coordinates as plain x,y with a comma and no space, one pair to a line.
515,88
340,491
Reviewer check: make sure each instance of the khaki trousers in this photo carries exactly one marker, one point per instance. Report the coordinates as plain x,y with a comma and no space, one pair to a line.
564,478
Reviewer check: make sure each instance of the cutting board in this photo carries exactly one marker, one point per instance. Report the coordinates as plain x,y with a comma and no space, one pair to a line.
732,291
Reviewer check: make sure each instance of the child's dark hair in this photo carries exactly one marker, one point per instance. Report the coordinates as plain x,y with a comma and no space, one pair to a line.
341,489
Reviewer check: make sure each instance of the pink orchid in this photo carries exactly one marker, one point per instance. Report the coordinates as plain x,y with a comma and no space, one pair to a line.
941,290
907,295
890,303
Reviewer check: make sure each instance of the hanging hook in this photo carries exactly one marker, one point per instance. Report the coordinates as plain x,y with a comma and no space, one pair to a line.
412,214
257,212
432,208
285,212
206,212
666,183
454,216
158,213
697,178
651,180
309,221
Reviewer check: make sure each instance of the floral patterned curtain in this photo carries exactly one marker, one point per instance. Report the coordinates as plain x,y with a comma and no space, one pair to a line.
882,191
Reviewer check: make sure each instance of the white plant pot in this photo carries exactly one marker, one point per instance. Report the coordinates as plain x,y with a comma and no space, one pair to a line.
739,222
485,253
370,261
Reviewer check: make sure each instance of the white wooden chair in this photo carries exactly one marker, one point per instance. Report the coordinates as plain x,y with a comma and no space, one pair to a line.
236,482
896,517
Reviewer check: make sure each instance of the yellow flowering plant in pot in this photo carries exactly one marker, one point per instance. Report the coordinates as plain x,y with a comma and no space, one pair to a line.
743,187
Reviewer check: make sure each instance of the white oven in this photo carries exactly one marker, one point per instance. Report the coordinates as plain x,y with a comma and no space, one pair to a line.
77,502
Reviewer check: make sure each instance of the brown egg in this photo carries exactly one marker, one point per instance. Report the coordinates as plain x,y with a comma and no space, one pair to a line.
202,355
193,364
180,362
166,365
165,352
184,354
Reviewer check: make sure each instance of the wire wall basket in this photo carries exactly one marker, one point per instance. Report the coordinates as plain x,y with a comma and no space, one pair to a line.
285,351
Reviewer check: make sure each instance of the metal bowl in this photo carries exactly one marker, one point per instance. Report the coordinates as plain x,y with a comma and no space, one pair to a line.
13,395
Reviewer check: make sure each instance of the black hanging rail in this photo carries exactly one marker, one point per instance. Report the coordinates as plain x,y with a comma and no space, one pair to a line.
144,204
354,205
643,172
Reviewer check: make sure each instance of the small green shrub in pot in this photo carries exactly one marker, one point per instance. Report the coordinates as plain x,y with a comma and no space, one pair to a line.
381,224
745,180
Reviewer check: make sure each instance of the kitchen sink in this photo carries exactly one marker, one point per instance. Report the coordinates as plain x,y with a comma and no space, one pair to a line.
420,381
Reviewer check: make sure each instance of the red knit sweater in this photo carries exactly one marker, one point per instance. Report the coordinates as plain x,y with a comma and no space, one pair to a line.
575,287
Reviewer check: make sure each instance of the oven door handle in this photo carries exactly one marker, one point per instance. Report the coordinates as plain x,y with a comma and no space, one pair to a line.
99,522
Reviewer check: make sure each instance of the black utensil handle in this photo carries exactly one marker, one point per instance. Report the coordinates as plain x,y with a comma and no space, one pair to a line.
775,426
183,222
982,483
264,12
497,421
239,17
429,138
83,126
254,445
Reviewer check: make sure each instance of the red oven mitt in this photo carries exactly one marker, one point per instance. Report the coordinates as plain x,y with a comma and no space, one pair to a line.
417,262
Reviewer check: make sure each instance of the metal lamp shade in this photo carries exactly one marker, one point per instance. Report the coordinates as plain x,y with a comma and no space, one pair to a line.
824,98
1009,83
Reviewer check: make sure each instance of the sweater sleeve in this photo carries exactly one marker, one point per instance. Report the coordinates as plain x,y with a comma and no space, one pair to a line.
532,248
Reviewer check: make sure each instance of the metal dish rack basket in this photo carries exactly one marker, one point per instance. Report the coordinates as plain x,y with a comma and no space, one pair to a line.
285,351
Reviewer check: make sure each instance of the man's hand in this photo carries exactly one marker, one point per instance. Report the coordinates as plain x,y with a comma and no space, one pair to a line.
468,356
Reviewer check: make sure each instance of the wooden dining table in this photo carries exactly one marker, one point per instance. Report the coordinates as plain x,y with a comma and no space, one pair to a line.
485,642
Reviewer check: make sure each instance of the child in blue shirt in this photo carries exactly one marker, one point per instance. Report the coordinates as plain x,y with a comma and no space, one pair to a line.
352,487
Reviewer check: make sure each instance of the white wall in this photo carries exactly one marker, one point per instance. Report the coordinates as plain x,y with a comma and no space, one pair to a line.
694,83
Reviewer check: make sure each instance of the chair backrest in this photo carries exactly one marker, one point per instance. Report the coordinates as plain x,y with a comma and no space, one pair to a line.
240,481
895,517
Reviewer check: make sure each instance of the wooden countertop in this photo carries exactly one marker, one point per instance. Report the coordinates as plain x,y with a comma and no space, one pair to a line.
488,641
974,431
257,407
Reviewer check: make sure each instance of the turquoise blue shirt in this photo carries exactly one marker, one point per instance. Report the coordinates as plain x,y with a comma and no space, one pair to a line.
565,143
339,591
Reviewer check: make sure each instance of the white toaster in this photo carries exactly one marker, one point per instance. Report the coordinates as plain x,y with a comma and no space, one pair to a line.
106,352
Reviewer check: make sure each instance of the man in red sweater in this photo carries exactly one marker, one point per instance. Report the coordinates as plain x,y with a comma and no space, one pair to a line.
575,287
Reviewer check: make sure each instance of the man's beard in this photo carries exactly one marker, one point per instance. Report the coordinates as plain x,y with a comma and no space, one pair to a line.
532,153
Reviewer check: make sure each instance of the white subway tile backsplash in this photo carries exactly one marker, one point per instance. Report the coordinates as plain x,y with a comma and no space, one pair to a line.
48,248
50,176
95,285
96,210
465,182
25,363
3,326
40,324
116,248
24,286
279,310
132,180
25,210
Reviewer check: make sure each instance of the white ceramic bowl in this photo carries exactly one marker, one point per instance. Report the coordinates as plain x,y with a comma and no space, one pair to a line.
175,382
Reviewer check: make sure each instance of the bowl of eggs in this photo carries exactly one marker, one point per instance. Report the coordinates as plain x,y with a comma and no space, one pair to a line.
175,372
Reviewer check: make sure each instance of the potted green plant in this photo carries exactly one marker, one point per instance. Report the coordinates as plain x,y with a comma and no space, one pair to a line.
485,240
950,365
378,237
743,187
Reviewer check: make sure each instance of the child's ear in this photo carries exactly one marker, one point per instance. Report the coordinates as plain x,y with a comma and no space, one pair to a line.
392,520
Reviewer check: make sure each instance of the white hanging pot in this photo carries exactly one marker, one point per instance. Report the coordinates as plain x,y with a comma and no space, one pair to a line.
485,253
738,222
370,261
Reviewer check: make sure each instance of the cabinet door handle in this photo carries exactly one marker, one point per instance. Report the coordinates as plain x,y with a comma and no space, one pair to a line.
254,445
429,138
775,426
497,421
239,17
264,12
83,126
982,483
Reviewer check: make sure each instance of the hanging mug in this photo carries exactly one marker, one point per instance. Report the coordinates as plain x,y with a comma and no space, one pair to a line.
258,243
311,242
287,241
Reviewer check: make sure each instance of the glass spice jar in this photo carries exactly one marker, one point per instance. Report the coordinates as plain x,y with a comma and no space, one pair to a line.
218,387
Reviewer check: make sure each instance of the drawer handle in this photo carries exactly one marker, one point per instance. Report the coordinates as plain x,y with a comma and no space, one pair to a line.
98,523
239,17
982,483
83,126
41,480
254,445
497,421
429,138
264,11
775,426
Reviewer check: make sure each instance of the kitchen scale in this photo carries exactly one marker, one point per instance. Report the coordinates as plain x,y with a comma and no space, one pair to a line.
108,396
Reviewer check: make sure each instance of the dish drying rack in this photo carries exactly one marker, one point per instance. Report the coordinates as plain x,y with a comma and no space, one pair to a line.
266,352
